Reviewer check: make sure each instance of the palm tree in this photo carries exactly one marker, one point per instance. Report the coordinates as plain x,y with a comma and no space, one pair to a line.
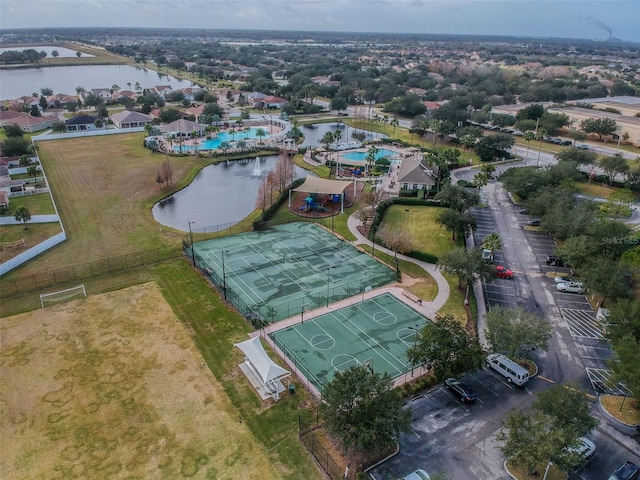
337,136
326,140
468,141
528,136
371,157
434,125
260,133
492,242
395,122
79,90
540,135
129,85
137,87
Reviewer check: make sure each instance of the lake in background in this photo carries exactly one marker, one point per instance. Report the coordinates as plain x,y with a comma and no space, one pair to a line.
18,82
48,49
224,193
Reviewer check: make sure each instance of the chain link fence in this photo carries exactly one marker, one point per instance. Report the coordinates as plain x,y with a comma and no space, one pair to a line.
314,440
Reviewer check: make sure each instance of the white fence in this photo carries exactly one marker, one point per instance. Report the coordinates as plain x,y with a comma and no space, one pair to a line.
32,252
86,133
26,193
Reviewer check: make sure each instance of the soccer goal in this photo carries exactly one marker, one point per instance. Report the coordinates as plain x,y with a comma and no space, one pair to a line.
62,295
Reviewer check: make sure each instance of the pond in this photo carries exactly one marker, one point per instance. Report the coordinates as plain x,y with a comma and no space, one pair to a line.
17,82
224,193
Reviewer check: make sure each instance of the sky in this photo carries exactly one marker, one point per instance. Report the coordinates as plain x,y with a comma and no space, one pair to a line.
587,19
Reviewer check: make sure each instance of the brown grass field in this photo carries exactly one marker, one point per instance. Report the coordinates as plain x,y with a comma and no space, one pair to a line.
112,386
104,188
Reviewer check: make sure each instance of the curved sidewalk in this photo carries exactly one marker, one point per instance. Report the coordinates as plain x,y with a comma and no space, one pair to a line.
428,308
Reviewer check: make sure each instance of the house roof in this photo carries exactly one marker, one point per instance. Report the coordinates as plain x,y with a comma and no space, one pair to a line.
272,99
268,370
28,120
413,170
129,116
82,120
182,125
322,185
9,114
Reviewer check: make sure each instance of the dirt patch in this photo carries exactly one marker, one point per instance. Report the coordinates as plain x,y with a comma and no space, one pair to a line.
111,386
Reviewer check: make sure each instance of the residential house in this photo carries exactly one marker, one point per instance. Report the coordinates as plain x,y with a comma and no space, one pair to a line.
31,124
20,103
163,90
82,123
326,81
116,96
196,112
415,174
272,102
103,93
60,99
4,199
7,117
190,92
255,98
130,119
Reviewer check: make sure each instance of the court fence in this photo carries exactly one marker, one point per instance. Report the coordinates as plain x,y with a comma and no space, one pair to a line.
262,314
314,440
84,271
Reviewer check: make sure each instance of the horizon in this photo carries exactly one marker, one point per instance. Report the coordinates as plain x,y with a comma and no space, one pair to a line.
536,19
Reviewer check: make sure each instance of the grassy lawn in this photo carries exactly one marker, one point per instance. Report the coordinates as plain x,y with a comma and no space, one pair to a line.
626,410
521,474
594,189
196,433
35,233
39,204
104,188
420,224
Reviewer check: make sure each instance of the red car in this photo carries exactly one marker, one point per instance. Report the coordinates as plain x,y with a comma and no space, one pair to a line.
502,272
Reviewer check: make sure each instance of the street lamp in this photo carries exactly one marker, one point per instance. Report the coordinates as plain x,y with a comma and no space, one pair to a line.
224,278
193,257
328,279
415,339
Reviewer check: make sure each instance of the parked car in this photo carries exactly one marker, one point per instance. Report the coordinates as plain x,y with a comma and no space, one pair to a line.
513,372
564,279
503,272
534,222
582,146
567,142
574,287
523,211
487,255
627,471
583,447
417,475
461,390
554,261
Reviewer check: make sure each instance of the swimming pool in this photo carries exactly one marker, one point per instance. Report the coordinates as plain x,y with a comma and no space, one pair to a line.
224,137
362,156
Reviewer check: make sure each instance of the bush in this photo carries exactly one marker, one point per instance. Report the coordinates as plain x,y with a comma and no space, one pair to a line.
258,223
424,256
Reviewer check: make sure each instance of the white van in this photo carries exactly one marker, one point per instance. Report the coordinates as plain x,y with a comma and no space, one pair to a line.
509,369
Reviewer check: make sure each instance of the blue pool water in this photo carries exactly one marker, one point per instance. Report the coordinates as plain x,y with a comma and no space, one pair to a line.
224,137
361,156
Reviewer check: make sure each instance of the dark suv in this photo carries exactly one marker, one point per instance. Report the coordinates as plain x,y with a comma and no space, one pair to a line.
628,471
554,261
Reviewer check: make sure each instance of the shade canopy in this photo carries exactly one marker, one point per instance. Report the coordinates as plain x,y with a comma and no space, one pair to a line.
269,371
322,185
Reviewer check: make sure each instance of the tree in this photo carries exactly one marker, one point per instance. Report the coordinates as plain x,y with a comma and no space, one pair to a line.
35,111
260,133
541,133
528,136
457,198
394,123
15,146
446,346
168,115
468,141
606,278
13,131
626,368
581,157
23,215
167,172
493,146
46,91
552,122
620,202
614,165
515,332
532,112
492,242
55,54
59,126
363,410
557,418
395,239
623,319
338,104
78,54
467,265
461,223
602,127
32,171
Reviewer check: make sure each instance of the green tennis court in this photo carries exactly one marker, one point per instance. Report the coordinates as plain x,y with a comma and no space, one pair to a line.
376,332
277,273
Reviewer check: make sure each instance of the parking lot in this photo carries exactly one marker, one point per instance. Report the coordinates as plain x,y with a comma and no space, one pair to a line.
458,439
502,291
577,314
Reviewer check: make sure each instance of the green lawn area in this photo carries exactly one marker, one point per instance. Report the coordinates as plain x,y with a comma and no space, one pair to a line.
420,223
39,204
